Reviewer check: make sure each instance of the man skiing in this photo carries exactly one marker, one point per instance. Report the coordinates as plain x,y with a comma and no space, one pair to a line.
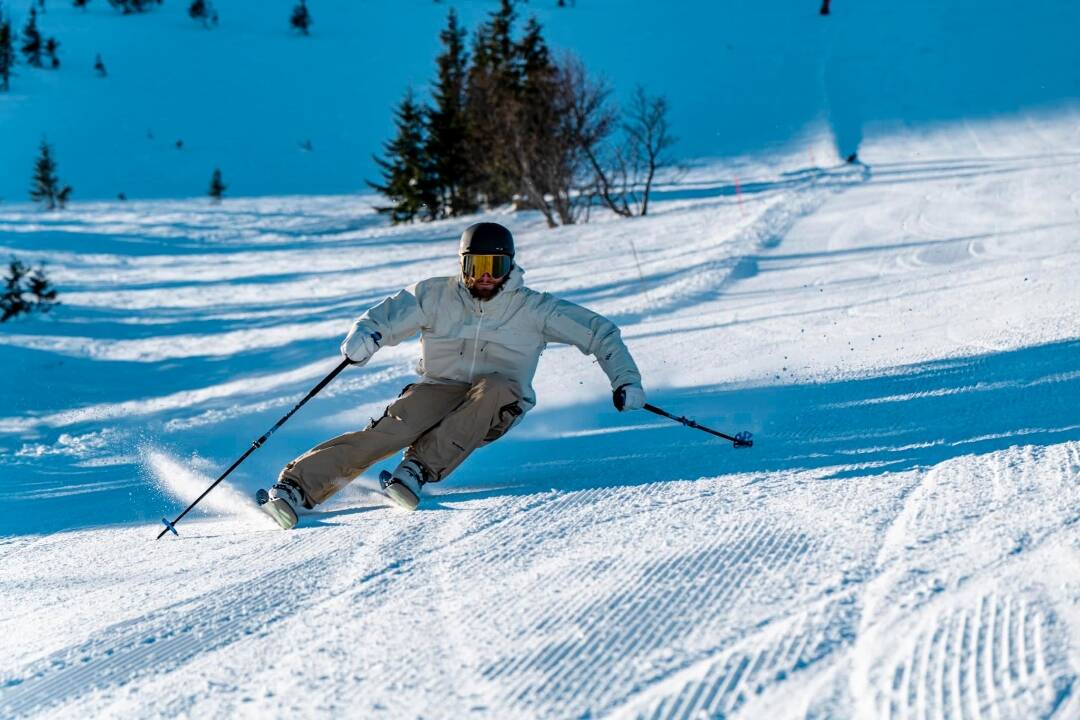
481,333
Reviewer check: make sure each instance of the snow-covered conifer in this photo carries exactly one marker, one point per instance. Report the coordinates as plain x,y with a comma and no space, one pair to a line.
45,187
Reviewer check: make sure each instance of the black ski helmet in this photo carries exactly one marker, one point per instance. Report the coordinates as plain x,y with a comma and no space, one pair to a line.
487,238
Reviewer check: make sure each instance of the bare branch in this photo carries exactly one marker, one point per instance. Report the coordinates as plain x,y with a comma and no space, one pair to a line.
650,138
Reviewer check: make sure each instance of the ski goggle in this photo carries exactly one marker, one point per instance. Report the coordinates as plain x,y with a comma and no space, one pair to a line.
475,266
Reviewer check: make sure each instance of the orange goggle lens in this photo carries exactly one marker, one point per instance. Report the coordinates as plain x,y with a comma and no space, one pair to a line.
475,266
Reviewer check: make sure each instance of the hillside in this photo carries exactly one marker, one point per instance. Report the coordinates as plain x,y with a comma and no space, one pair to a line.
901,541
740,78
900,335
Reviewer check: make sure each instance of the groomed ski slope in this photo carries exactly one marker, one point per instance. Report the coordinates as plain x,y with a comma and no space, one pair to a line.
901,542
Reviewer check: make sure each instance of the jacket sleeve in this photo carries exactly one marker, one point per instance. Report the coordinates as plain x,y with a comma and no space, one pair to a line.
396,319
594,335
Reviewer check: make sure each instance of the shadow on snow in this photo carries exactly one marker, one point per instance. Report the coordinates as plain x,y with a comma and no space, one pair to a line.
914,416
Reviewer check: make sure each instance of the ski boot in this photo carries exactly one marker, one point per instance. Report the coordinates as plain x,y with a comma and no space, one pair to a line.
404,484
282,502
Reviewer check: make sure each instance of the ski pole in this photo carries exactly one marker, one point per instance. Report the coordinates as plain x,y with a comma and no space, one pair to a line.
740,440
255,446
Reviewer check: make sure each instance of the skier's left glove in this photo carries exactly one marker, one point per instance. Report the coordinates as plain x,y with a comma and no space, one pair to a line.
360,345
630,396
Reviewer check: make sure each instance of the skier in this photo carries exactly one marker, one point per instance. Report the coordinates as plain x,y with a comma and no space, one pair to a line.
481,333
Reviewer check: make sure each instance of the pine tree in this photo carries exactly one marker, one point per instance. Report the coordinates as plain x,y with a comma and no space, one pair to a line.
12,300
99,67
301,18
491,100
408,179
543,149
51,46
79,3
7,52
447,144
25,290
32,45
537,88
217,186
46,185
42,290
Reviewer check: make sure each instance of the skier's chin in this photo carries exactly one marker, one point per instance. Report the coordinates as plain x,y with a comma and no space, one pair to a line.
484,292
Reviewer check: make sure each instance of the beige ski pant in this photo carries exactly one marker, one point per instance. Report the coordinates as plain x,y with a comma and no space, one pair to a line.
439,424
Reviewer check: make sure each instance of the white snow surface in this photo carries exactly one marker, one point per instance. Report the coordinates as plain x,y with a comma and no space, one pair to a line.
902,540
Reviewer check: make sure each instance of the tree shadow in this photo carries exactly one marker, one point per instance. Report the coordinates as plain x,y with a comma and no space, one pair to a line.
909,417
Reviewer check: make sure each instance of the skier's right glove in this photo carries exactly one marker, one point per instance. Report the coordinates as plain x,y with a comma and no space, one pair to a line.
360,345
628,397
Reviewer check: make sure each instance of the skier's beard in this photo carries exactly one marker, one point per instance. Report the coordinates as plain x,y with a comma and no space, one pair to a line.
483,293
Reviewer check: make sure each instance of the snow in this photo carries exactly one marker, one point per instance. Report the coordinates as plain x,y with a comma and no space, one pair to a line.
901,540
901,337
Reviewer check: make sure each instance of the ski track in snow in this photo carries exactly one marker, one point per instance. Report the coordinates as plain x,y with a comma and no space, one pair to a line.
897,544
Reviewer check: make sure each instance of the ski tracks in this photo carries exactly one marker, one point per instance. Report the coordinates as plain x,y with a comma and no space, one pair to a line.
963,618
295,571
594,623
997,656
723,260
754,667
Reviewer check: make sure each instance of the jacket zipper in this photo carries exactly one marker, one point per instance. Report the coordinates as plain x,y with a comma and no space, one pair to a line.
476,344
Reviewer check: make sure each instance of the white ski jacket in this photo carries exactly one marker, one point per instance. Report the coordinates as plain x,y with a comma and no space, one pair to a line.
463,338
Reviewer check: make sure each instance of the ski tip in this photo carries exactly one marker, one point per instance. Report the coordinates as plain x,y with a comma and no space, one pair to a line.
170,526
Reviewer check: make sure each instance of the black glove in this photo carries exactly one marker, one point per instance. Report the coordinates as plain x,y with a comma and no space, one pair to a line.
629,396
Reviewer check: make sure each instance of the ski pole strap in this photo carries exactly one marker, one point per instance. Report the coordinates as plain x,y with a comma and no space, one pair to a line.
741,440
